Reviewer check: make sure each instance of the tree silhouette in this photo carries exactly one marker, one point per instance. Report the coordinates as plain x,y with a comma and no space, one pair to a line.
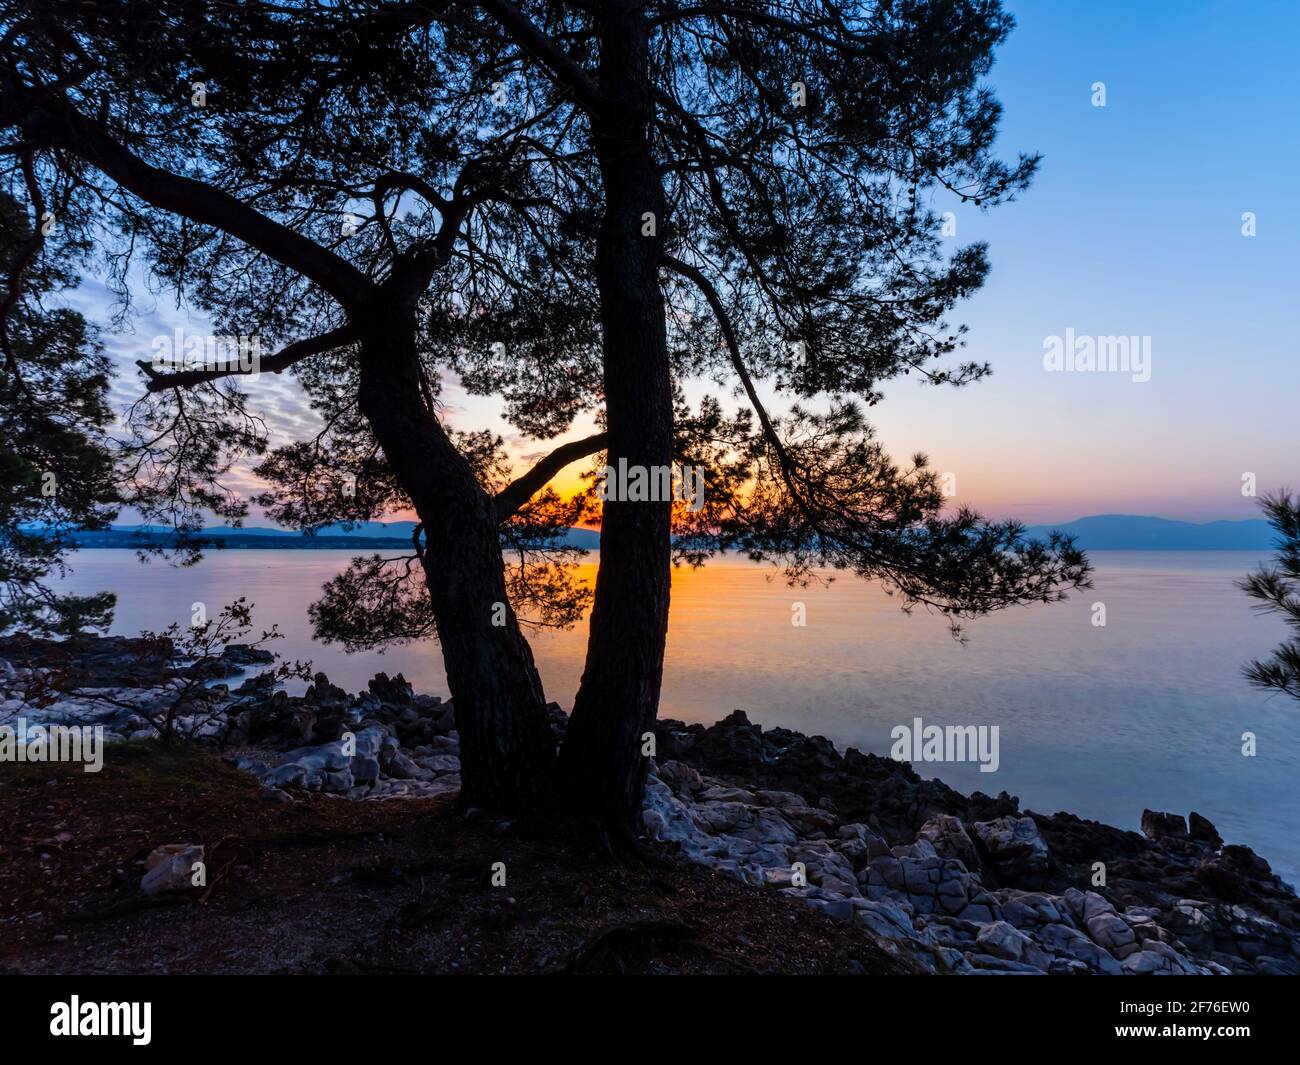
1277,589
56,473
578,208
763,168
321,178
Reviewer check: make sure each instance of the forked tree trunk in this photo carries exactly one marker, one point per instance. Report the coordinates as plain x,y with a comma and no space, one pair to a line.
507,747
603,769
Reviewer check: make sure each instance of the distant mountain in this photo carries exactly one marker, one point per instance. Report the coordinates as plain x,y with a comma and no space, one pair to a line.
1101,532
588,538
1131,532
366,535
396,530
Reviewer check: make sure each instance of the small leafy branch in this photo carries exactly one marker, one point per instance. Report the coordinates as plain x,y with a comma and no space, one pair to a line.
1277,588
201,648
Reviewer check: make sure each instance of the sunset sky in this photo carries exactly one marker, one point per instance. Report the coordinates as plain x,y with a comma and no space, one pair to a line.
1133,227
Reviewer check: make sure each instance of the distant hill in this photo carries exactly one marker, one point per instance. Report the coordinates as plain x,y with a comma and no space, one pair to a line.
369,535
1101,532
396,530
1131,532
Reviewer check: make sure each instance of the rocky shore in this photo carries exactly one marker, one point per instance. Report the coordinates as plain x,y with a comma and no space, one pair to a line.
947,882
967,884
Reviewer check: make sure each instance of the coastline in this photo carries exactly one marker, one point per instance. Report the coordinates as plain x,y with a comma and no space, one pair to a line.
942,881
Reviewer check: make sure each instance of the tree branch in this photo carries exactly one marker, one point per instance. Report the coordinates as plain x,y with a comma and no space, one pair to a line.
200,202
26,253
519,491
282,360
533,40
710,293
413,183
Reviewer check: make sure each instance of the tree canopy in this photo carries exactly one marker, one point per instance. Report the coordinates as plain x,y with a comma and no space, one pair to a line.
56,471
1276,589
599,213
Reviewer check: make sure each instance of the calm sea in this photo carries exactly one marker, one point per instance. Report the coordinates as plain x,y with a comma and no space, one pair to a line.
1148,710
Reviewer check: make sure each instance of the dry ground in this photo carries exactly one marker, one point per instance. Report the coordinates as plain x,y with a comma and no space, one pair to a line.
321,885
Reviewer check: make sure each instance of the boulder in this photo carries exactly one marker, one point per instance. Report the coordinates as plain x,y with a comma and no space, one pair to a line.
931,885
170,868
321,693
397,691
885,920
1236,874
1029,909
1112,932
1158,826
1158,959
859,845
292,775
1003,940
1070,943
724,793
1202,829
327,757
439,764
246,655
337,782
992,963
402,766
364,769
758,823
1015,849
949,838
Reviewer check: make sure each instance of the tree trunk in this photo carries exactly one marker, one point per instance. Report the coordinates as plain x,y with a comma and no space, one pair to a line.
507,746
601,763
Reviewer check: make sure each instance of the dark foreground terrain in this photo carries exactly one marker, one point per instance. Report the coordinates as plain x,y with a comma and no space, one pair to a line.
318,884
332,841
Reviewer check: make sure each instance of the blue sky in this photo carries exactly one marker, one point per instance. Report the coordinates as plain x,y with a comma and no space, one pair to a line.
1133,227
